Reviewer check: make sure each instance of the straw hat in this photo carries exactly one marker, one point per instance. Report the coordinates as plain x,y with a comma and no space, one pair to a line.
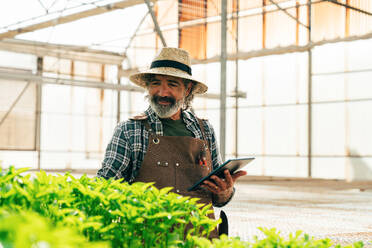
172,62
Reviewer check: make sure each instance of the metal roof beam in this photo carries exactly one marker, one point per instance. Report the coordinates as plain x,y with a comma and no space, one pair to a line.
282,50
42,49
72,17
32,78
29,77
263,52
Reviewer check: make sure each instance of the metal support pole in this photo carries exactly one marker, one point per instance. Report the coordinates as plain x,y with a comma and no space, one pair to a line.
223,79
38,112
179,13
297,24
310,71
263,24
101,121
157,27
237,81
263,124
128,99
118,108
347,20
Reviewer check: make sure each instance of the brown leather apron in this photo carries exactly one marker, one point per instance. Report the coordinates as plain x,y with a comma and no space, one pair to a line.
173,161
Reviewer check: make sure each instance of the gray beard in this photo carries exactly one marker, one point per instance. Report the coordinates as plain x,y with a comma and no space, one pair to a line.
167,110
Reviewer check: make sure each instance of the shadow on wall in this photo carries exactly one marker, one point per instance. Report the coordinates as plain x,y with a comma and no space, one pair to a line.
357,169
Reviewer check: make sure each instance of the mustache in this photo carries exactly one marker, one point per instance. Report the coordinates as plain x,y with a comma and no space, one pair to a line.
156,99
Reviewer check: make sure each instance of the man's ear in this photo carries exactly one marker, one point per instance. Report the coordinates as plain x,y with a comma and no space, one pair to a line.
189,88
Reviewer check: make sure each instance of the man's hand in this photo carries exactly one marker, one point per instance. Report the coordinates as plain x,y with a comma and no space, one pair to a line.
223,187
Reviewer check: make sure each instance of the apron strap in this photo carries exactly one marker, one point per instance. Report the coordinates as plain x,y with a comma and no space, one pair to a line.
148,128
152,134
147,125
202,130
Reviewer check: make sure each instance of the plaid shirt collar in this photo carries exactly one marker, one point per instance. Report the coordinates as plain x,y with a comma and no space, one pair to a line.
188,117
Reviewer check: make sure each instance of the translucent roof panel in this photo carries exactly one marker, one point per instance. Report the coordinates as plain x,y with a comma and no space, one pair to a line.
18,13
189,24
108,31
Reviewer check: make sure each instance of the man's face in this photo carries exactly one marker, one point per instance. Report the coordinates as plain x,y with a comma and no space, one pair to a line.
167,95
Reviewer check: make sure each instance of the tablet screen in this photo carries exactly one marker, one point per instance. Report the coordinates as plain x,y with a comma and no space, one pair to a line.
232,165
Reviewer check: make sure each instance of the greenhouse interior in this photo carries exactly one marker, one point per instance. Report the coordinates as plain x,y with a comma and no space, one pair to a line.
289,84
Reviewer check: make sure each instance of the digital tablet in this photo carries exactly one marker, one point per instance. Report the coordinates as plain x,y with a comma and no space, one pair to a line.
232,165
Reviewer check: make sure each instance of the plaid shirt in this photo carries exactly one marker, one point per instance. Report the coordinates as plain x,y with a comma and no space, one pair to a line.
128,146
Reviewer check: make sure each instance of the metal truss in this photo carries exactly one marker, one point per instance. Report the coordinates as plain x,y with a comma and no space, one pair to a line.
67,18
349,7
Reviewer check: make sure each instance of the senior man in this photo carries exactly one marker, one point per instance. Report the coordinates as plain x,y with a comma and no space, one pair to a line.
168,144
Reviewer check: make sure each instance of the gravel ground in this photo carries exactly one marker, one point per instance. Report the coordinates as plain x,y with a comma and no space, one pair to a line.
335,209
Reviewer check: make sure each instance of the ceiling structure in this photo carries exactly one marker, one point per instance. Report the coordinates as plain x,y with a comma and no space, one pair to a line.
35,31
43,16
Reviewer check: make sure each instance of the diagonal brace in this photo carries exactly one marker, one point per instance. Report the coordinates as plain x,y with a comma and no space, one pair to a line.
349,7
288,14
135,33
157,27
14,103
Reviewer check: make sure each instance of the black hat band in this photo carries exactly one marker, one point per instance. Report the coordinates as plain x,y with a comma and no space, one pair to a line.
171,63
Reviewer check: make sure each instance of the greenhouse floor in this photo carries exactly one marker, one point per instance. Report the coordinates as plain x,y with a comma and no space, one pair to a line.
335,209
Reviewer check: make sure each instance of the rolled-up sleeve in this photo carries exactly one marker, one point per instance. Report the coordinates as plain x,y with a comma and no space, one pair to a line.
117,156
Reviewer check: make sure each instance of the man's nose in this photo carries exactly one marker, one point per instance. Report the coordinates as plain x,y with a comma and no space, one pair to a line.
164,90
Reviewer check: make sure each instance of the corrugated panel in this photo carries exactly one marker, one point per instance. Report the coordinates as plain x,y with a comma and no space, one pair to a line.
144,50
56,65
251,4
280,29
214,7
328,21
191,9
359,22
250,33
193,39
17,132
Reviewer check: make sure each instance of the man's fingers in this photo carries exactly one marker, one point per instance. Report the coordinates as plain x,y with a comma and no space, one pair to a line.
221,184
238,174
211,187
210,184
228,178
